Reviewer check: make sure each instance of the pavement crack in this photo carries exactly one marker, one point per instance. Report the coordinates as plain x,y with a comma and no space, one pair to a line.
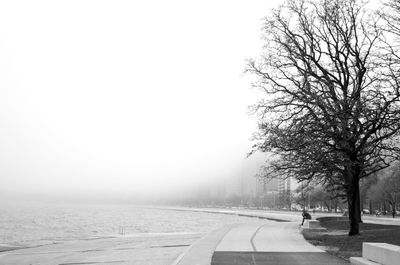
253,236
253,259
91,250
92,262
170,246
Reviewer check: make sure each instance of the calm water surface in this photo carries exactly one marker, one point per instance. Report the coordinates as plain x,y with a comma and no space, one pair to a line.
37,224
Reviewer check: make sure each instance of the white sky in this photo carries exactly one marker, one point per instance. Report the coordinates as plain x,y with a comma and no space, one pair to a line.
124,96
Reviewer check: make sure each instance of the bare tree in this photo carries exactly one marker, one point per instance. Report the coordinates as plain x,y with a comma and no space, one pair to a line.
331,110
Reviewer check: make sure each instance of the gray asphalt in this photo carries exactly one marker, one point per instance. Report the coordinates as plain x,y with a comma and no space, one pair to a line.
274,258
258,243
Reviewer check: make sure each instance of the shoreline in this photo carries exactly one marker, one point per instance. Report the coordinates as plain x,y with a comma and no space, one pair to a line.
137,247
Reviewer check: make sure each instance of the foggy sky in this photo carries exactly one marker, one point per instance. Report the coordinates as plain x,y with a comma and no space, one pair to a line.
124,97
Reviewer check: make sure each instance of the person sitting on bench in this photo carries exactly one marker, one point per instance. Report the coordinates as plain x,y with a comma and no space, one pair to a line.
306,215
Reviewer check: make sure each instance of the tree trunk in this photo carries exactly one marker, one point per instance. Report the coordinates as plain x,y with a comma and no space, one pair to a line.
370,207
358,204
392,204
353,201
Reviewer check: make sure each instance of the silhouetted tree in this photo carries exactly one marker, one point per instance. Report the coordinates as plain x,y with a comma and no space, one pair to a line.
331,110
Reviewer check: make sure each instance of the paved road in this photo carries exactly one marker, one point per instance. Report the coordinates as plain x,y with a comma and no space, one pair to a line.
267,236
274,258
262,243
269,243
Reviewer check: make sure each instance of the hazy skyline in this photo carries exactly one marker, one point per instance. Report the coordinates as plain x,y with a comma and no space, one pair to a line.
125,97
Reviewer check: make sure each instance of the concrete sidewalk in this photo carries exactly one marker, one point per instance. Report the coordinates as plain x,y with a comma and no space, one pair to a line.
262,243
136,249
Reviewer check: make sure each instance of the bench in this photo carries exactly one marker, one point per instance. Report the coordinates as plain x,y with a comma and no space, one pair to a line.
312,225
378,253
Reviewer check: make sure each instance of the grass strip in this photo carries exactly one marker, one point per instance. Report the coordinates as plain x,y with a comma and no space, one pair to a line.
336,241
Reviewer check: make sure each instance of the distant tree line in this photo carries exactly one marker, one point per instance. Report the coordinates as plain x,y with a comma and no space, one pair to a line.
382,194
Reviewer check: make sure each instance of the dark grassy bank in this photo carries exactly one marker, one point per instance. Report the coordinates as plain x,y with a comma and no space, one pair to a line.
337,242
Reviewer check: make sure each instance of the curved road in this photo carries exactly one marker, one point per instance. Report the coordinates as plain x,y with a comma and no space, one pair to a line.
269,243
260,243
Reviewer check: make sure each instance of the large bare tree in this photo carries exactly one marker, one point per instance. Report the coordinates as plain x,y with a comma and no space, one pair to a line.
331,108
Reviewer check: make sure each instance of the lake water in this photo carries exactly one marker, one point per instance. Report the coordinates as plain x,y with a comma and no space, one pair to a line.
36,224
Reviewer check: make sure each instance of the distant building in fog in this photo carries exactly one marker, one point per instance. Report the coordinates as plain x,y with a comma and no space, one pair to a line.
245,184
266,186
284,185
279,185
